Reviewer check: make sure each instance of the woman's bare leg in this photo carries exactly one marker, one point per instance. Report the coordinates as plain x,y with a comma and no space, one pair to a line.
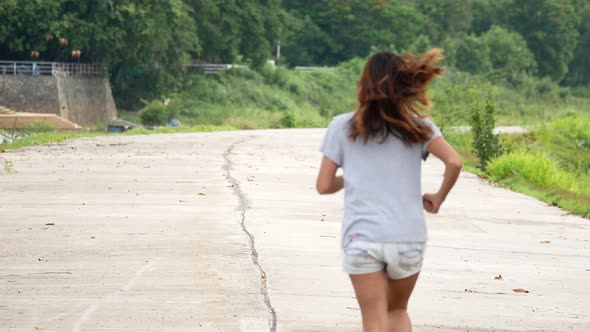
399,292
371,293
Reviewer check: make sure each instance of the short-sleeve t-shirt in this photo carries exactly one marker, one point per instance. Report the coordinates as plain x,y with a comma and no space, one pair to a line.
382,184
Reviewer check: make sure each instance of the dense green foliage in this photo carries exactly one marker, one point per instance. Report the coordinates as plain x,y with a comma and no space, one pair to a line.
329,32
540,163
247,98
266,98
544,37
145,44
150,32
155,114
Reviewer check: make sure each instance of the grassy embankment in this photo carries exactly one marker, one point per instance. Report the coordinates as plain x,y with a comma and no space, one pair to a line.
551,162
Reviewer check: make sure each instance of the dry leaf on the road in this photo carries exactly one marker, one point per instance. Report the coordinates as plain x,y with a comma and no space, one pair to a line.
49,224
471,291
498,277
546,241
201,194
520,290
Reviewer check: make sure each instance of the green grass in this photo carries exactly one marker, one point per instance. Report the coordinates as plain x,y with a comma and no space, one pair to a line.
178,130
536,169
528,102
40,138
268,98
538,176
532,168
43,138
248,99
567,140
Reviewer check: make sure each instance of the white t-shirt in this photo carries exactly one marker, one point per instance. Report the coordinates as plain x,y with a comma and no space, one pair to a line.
382,184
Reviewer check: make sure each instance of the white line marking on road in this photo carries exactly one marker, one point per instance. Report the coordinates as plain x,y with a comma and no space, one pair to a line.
85,315
139,273
92,308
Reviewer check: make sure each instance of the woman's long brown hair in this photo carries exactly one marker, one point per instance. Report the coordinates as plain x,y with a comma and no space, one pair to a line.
392,93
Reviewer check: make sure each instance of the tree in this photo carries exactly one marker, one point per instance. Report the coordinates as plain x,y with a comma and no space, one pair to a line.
349,28
236,30
143,43
579,71
24,27
473,55
261,29
508,52
447,18
487,13
155,32
307,44
550,30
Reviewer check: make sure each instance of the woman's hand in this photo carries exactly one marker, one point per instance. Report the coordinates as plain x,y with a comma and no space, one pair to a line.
328,182
432,202
442,150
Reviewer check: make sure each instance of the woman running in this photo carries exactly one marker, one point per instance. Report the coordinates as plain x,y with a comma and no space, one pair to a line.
380,147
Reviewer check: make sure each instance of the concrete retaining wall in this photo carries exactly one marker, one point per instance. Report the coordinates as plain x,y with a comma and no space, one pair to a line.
86,101
36,94
83,100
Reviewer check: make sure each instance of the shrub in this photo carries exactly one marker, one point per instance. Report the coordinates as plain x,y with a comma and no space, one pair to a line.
154,114
486,144
288,120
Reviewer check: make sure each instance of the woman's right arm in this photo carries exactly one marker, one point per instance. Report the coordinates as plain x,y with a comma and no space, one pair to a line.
445,152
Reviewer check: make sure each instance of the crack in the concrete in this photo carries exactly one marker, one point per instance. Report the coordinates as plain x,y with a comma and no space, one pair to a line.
243,206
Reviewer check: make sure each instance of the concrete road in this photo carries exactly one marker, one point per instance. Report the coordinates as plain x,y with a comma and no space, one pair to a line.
224,232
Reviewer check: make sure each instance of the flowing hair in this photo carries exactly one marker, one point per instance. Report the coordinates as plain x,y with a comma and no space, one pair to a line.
392,94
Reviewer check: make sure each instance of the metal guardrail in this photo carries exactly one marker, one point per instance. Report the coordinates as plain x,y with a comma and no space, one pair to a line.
310,69
51,68
211,68
95,70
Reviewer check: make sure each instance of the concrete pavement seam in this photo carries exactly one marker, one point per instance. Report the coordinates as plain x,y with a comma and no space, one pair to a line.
243,206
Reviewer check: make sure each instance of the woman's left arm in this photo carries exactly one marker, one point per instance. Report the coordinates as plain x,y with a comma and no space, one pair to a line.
328,182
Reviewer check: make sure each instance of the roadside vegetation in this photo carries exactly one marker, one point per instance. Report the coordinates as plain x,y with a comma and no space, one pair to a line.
550,162
33,136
